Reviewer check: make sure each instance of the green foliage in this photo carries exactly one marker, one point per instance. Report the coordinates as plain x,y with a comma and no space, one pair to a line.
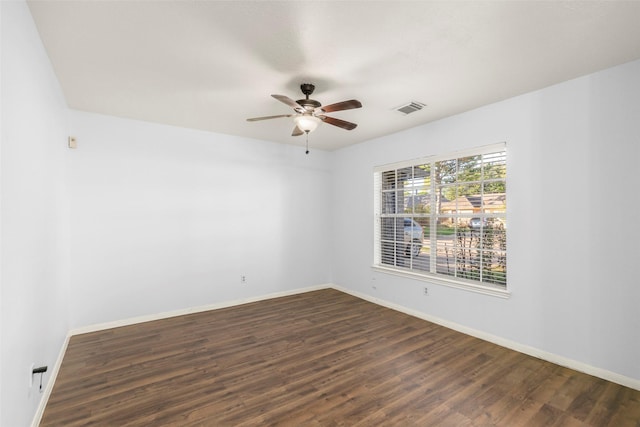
441,230
462,177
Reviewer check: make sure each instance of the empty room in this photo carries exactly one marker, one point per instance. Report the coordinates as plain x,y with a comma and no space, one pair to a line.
323,213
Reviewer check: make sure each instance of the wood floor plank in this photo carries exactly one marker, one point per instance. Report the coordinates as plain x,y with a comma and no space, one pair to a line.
321,358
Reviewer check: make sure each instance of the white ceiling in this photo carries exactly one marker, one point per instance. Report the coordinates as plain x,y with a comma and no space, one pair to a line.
211,64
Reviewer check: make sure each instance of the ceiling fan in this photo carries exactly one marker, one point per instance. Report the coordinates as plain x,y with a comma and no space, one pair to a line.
309,113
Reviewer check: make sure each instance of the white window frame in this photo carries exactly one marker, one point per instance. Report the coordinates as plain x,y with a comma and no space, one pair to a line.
430,276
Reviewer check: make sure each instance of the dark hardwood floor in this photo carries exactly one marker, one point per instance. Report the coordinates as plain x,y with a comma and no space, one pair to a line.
321,358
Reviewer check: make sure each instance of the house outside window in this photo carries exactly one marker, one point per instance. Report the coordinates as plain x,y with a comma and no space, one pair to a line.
443,218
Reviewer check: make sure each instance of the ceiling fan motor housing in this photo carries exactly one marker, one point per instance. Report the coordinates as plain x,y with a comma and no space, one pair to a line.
308,104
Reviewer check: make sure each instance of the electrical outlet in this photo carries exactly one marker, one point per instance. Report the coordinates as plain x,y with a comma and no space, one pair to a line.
426,291
243,279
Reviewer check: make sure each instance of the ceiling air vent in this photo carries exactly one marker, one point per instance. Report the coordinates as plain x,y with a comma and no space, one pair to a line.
411,107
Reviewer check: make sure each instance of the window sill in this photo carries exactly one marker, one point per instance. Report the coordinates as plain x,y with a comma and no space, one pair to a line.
452,283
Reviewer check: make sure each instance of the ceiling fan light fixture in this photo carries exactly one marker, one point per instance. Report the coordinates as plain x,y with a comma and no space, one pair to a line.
307,122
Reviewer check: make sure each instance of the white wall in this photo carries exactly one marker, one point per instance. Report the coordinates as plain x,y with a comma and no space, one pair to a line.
572,218
165,218
34,256
140,219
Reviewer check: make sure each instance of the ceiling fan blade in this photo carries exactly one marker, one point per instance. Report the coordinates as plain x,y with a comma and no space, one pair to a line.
290,102
297,131
337,122
344,105
255,119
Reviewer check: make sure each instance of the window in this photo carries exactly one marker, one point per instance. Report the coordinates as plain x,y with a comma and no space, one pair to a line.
444,218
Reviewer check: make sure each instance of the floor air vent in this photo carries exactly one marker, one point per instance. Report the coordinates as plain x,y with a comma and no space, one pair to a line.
411,107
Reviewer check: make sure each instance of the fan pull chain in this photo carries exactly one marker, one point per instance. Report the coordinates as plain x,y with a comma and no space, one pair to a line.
307,134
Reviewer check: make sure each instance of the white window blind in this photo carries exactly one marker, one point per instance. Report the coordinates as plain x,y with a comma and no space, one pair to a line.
444,216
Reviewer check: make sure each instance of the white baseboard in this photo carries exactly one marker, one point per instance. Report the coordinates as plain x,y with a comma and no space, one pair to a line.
191,310
47,390
513,345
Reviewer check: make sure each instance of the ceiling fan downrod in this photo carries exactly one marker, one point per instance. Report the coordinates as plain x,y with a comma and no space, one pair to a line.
308,104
